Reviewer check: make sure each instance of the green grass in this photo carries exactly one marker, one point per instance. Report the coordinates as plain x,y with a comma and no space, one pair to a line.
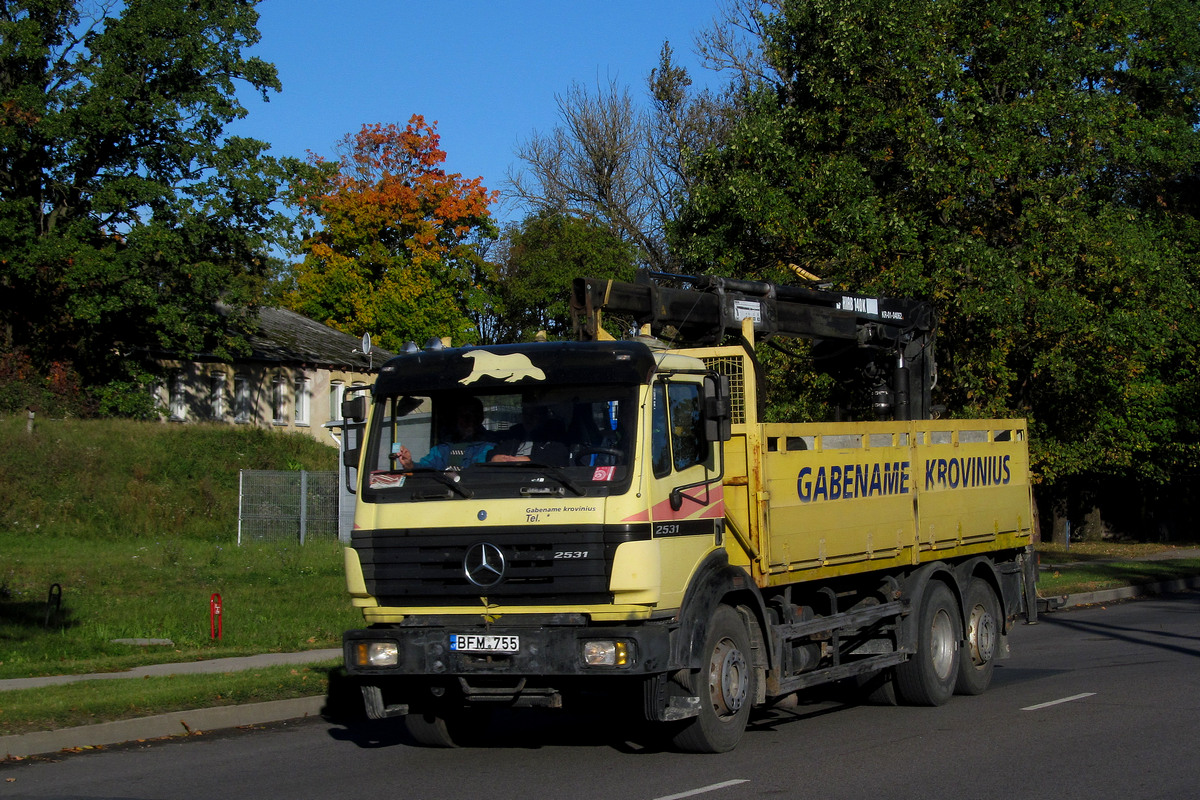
137,523
92,702
124,480
1095,566
275,598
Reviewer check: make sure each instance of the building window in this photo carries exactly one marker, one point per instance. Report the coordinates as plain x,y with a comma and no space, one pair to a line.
241,398
302,401
216,395
336,389
179,398
279,400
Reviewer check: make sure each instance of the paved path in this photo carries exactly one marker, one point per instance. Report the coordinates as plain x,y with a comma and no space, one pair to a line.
181,668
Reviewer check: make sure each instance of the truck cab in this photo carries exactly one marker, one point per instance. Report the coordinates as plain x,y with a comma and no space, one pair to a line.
587,497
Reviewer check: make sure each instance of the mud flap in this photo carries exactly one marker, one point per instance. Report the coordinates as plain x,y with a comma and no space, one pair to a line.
374,706
665,701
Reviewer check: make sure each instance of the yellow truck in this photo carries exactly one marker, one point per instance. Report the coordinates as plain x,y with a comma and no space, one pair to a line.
539,523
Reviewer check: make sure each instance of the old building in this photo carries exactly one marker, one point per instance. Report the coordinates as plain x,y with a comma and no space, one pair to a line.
292,380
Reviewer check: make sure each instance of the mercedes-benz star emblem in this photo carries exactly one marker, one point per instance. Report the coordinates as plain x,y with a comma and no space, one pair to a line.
484,564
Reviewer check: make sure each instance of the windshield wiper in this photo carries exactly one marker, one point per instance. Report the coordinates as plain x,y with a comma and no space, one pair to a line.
549,470
442,477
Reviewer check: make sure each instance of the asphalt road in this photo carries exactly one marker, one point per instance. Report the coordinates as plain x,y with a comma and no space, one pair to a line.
1094,703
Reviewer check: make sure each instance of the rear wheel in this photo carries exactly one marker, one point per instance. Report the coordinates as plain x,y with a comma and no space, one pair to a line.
928,678
726,685
977,662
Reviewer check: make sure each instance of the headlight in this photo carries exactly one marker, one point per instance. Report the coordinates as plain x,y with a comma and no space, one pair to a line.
377,654
606,654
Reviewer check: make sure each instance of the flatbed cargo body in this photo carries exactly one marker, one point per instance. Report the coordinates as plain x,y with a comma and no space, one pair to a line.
855,497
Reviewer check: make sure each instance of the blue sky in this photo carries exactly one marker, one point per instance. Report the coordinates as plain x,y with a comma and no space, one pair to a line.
487,72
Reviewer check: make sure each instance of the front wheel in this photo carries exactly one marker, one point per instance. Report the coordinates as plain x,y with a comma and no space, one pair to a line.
928,678
447,727
726,683
429,730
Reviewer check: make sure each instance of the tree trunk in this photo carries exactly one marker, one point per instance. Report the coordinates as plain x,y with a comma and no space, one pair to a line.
1060,533
1092,529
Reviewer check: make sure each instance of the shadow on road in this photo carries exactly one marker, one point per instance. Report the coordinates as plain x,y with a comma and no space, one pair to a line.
1160,639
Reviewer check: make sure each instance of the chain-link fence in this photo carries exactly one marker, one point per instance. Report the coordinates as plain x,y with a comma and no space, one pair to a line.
287,506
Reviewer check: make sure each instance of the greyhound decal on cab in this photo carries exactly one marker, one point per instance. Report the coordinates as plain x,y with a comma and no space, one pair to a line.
508,368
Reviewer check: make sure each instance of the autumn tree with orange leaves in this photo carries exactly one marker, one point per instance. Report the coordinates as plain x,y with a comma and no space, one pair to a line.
398,253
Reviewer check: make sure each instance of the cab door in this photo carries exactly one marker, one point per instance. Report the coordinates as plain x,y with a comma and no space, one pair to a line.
687,507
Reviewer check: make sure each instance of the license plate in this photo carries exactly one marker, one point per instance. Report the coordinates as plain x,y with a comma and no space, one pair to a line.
484,643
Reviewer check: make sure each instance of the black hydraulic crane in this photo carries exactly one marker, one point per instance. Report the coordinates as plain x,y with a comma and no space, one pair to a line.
888,342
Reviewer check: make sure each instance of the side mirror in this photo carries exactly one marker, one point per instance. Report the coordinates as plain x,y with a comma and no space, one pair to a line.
718,409
351,451
354,415
354,409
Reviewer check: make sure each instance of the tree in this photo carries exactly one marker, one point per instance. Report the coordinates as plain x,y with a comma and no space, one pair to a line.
733,43
539,259
1025,167
398,254
614,162
126,215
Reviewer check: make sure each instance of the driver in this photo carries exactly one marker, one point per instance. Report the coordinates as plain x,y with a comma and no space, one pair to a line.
469,445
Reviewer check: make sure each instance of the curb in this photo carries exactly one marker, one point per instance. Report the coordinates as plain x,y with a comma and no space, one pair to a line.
1115,595
176,723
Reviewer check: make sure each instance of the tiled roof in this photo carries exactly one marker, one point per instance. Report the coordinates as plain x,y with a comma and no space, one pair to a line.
285,336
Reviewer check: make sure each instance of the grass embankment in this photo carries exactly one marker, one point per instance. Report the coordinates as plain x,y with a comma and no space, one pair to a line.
90,702
1095,566
137,523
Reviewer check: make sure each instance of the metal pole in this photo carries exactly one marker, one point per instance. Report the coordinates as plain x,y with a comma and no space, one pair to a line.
303,503
241,497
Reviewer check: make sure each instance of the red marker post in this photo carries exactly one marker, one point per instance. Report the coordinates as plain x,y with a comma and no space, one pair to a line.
214,615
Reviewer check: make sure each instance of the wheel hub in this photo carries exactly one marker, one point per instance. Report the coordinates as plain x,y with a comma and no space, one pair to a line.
728,678
942,644
982,635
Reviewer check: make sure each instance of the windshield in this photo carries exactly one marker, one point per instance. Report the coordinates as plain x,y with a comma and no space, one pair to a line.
569,441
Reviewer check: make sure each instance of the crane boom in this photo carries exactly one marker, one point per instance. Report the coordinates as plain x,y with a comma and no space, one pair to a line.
705,310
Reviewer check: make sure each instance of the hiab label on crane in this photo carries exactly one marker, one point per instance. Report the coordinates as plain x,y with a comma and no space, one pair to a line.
850,481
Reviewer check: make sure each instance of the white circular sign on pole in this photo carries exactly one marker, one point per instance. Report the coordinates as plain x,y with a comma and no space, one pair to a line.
366,343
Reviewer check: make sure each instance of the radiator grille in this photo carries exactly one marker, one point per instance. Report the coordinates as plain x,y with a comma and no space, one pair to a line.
543,565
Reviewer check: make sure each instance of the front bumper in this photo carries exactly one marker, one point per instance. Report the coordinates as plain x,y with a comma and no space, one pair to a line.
544,651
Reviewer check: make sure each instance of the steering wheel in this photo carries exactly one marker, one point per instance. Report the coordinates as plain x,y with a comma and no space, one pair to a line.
599,450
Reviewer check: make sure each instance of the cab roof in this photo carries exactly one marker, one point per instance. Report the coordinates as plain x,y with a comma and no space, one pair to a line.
516,366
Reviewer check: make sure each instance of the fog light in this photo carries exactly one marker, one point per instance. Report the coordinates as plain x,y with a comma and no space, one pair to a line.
605,654
377,654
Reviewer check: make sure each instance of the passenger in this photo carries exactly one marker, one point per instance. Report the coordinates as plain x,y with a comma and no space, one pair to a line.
538,437
467,446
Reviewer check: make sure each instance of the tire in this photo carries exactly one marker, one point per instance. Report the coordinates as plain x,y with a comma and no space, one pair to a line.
978,660
929,677
446,728
726,684
429,730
